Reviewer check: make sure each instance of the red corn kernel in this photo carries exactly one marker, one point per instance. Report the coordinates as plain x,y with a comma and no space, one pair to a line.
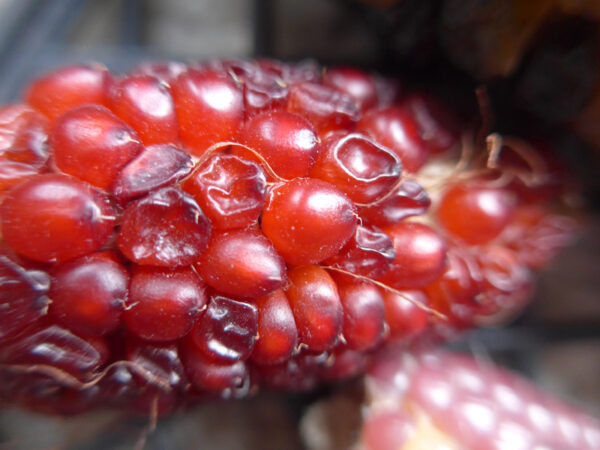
53,218
163,304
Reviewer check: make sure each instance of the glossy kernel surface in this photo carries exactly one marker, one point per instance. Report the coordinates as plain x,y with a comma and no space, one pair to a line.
164,304
166,228
308,220
93,144
55,217
243,263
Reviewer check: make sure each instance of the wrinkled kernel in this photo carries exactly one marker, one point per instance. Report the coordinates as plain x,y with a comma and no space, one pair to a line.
454,293
12,173
395,129
357,166
506,284
286,141
370,253
159,360
407,199
93,144
166,228
326,107
243,263
210,108
58,347
163,304
438,128
145,103
316,305
230,190
155,167
63,89
227,330
308,220
23,135
354,82
88,294
306,70
22,296
55,217
535,235
263,89
41,393
277,330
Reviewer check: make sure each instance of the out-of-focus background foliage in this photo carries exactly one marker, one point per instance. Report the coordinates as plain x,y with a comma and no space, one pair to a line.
539,61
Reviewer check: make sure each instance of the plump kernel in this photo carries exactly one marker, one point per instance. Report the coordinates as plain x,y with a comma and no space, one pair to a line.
420,255
210,108
277,332
403,317
475,214
93,144
287,142
300,373
346,363
363,314
308,220
163,304
53,217
146,104
243,263
316,305
63,89
89,293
